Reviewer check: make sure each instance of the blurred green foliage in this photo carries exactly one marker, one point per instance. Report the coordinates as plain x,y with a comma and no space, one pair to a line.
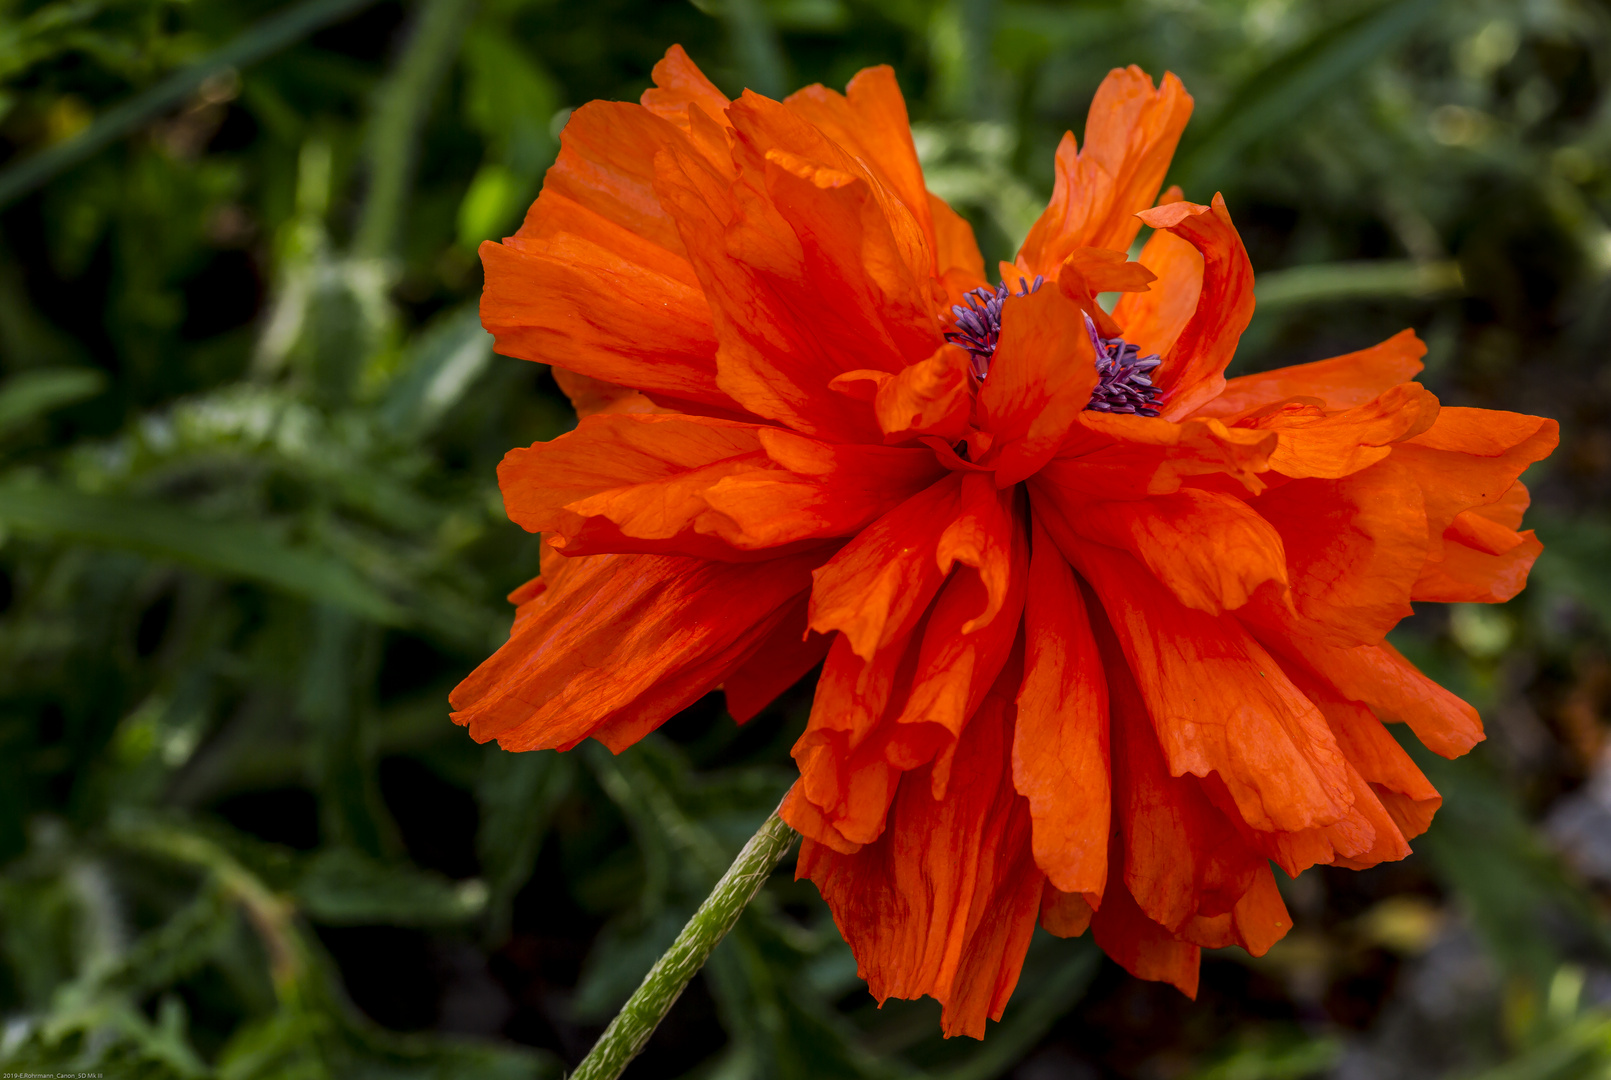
250,536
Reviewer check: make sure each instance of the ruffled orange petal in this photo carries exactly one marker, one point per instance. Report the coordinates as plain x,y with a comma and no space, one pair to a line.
845,774
1210,549
1343,382
1193,370
1060,750
1315,442
615,644
604,302
680,84
1182,857
969,634
1139,945
1133,457
813,267
1374,675
880,584
1355,548
869,120
1041,379
629,483
944,903
1470,458
1130,135
1484,558
1218,701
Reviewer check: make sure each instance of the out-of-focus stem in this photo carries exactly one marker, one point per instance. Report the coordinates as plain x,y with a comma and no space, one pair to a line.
632,1026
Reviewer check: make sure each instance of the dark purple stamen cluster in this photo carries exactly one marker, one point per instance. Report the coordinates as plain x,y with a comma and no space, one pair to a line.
1124,383
979,324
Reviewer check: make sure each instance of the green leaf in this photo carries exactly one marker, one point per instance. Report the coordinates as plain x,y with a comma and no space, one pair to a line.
166,532
346,887
34,393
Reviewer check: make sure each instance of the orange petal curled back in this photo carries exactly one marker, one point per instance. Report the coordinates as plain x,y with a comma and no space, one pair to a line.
931,397
1193,371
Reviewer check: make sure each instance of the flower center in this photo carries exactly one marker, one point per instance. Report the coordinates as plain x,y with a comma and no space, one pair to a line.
979,324
1123,385
1123,376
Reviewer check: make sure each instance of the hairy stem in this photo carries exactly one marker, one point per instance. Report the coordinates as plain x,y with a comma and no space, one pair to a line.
632,1026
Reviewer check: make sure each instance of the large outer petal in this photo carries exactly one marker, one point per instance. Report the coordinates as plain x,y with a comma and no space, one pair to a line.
614,644
1374,675
1060,750
1317,443
597,280
1106,457
1470,458
813,268
869,120
1218,702
1354,546
1484,558
1342,382
1130,136
1193,371
1210,549
944,903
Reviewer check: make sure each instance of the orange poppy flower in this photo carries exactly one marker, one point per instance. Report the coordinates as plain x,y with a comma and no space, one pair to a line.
1102,632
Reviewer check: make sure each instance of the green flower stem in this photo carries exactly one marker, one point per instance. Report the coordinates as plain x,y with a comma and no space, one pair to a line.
632,1026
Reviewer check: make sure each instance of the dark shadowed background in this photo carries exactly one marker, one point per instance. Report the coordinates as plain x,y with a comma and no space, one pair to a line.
250,536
